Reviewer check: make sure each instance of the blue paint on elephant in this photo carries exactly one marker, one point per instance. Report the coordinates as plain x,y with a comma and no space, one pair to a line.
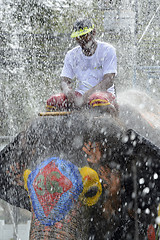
54,186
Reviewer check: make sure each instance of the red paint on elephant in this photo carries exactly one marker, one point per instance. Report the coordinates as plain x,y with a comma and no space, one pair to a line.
87,177
49,185
59,225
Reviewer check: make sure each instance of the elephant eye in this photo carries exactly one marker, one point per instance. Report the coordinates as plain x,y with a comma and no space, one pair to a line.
91,192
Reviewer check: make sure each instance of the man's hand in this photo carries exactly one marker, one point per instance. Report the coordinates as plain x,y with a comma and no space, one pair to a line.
110,179
107,82
70,93
93,152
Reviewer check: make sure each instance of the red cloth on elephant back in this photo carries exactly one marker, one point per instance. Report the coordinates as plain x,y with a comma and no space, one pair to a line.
97,99
101,99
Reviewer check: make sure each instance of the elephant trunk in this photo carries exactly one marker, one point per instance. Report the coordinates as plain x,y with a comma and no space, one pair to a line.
72,227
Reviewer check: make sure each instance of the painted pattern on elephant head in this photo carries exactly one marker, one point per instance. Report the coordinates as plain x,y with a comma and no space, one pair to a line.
57,189
53,187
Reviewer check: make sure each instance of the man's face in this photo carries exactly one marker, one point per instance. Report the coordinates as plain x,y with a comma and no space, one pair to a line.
85,41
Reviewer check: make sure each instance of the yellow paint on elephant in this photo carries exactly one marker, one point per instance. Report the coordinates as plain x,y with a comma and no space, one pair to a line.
25,176
92,188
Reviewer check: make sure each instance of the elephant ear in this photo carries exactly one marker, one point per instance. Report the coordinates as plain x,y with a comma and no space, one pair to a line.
141,171
132,143
12,165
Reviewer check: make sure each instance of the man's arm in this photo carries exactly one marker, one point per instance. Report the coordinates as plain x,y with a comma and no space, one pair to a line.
66,87
107,82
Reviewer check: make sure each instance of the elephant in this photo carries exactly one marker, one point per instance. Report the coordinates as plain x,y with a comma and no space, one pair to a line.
115,148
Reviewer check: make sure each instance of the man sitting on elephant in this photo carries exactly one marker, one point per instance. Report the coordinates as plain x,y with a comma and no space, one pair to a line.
94,65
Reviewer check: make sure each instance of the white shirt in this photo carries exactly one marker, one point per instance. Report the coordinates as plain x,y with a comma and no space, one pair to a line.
89,71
